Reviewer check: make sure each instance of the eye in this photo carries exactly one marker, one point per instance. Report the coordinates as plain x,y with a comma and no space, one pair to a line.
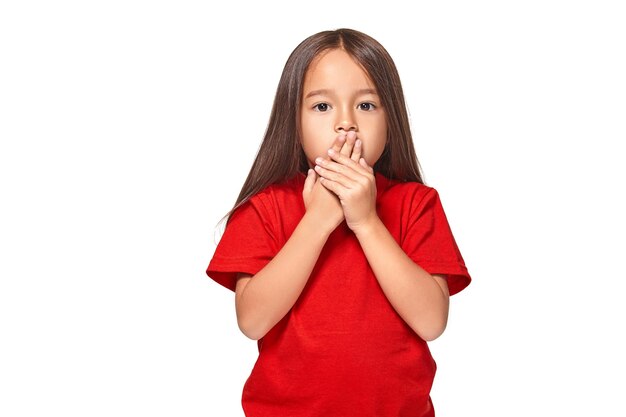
322,107
367,106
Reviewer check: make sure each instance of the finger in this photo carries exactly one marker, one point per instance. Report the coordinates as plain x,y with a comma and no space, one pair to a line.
356,152
337,174
309,181
347,147
335,171
364,165
348,162
333,186
340,140
337,144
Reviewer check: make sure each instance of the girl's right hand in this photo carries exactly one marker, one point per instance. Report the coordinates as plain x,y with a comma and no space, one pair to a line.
318,200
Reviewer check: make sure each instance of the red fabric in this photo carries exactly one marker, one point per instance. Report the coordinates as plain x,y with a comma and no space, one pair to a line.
342,350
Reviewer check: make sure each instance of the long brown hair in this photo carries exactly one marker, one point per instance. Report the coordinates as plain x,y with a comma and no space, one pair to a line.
281,156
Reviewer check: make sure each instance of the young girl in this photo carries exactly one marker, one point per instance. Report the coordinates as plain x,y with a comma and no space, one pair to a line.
341,258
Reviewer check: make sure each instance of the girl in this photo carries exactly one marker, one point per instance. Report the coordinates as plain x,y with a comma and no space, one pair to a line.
341,259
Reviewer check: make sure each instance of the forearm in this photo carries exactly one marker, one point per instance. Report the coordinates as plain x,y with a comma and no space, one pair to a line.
414,294
271,293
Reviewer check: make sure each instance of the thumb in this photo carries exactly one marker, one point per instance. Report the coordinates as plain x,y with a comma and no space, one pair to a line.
365,165
309,182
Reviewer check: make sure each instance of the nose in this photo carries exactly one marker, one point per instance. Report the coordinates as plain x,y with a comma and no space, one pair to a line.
345,122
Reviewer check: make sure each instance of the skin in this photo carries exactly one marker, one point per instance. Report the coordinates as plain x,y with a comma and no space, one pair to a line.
343,134
339,97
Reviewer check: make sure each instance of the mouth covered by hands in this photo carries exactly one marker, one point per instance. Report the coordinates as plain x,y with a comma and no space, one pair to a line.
348,176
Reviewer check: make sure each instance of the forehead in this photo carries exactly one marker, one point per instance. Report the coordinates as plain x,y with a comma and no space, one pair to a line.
334,69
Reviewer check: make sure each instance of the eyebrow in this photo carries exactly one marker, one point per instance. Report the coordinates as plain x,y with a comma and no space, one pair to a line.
325,91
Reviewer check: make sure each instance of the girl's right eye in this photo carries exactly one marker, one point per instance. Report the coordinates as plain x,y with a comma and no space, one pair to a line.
321,107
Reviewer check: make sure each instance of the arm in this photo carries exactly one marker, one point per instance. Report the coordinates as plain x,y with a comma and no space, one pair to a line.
421,299
264,300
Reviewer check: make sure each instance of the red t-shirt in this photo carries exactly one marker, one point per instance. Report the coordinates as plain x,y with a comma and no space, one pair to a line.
342,350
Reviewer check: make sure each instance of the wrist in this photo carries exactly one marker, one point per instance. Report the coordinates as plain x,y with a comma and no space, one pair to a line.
369,227
315,225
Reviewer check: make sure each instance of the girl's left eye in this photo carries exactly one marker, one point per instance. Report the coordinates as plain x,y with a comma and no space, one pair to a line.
367,106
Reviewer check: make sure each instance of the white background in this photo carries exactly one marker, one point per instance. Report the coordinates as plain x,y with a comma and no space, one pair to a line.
128,128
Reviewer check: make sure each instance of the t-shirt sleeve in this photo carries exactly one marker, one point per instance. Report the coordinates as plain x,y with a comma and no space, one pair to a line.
429,242
247,244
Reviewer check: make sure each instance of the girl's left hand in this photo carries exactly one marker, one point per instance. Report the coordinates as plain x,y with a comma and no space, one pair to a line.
353,181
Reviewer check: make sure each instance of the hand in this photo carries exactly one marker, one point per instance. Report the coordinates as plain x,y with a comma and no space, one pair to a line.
318,200
350,178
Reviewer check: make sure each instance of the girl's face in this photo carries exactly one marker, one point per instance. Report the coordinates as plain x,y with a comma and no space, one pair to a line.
338,95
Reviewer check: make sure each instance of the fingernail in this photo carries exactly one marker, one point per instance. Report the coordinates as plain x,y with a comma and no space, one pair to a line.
358,142
331,152
318,160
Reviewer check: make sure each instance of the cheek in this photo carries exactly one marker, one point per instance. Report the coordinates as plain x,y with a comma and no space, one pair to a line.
314,142
373,149
312,151
313,146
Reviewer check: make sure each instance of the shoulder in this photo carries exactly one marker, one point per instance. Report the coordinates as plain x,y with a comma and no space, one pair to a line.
412,192
285,187
272,201
406,200
282,192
